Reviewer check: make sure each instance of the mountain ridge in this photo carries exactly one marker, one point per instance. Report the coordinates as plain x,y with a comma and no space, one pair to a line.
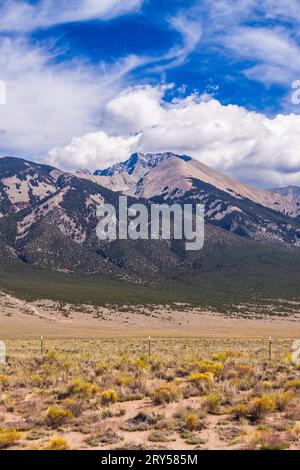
145,182
48,224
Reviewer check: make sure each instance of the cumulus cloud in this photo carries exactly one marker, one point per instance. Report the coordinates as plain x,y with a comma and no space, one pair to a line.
83,152
24,16
135,110
245,144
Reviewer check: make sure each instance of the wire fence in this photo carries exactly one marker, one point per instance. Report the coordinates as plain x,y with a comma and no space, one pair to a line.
268,348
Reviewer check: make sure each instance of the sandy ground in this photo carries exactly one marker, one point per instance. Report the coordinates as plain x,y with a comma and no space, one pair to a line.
214,436
20,319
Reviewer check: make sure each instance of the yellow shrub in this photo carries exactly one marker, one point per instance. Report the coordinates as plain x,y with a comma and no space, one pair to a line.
261,406
215,368
124,380
4,381
267,439
109,396
52,355
75,405
57,416
66,365
206,377
221,357
82,389
295,383
267,384
282,399
36,380
192,421
9,437
165,394
296,429
239,411
224,356
213,402
288,357
142,363
57,443
100,369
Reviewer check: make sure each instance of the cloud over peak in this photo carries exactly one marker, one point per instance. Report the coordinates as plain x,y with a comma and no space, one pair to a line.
246,144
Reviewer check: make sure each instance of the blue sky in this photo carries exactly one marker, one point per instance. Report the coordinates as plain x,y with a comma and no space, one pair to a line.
208,66
89,81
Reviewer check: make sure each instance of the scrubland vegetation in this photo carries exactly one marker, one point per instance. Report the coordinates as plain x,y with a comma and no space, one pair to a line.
189,394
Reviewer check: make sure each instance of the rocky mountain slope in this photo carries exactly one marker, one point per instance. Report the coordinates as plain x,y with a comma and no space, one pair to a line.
170,175
291,192
245,210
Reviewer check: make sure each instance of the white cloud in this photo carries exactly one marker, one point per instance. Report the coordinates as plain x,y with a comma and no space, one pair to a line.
23,16
84,152
190,30
277,56
49,102
135,110
245,144
263,32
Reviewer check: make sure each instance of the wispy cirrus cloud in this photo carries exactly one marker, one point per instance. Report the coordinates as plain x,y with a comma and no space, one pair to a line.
49,101
275,54
51,98
190,30
23,16
263,32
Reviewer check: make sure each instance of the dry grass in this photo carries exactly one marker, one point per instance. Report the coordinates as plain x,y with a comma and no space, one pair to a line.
191,393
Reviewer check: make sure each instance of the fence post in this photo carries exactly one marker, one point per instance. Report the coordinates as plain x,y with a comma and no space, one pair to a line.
270,348
76,358
42,345
149,346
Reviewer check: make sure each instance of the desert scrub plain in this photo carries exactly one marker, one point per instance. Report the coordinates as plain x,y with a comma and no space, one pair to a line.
191,393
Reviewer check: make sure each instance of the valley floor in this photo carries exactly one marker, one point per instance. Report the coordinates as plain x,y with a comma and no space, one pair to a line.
190,393
208,382
21,319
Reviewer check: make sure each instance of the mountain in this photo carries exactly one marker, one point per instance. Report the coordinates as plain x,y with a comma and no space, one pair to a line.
49,222
125,176
168,174
49,245
137,165
23,184
239,208
291,192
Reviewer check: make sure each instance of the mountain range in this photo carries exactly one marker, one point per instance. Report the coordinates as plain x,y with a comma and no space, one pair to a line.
48,220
